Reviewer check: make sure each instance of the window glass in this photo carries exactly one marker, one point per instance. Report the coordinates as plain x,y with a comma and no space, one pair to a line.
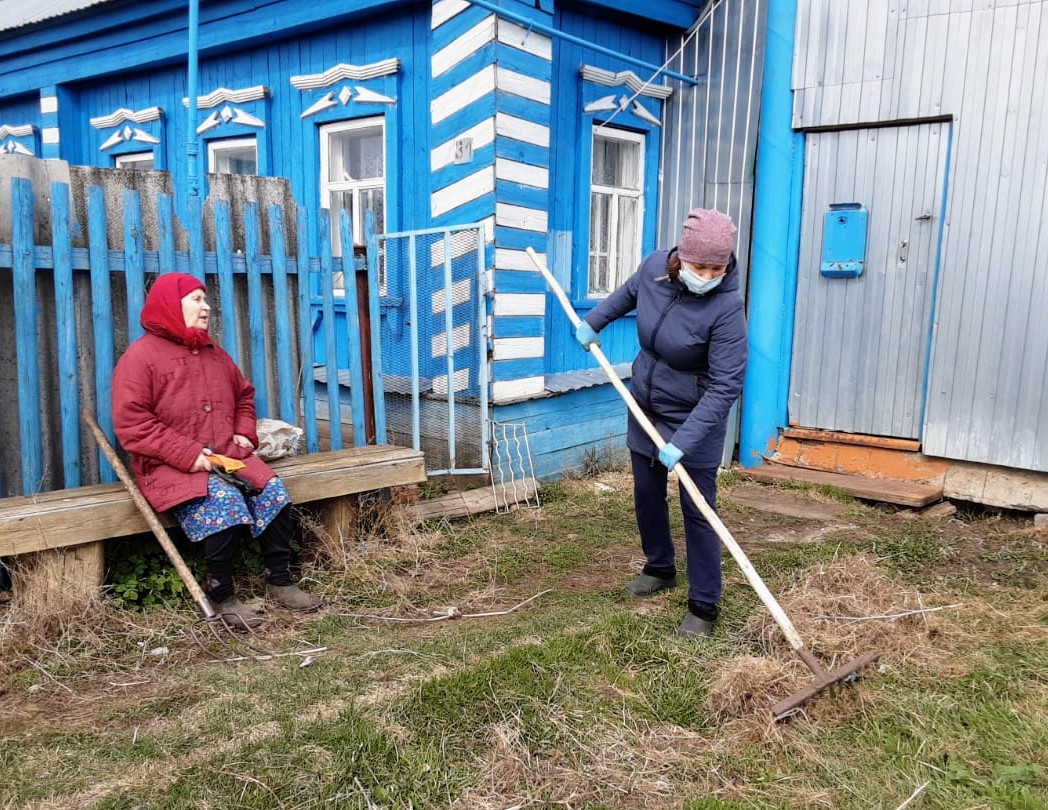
616,208
353,179
134,160
233,156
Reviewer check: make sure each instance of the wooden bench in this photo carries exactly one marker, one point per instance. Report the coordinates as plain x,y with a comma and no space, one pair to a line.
71,517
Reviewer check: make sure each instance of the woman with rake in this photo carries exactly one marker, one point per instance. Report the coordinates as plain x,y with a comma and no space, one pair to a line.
691,326
186,415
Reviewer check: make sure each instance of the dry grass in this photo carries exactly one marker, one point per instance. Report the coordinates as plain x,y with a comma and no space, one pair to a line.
841,609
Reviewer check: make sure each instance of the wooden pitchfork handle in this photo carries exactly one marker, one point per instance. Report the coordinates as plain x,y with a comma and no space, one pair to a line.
199,597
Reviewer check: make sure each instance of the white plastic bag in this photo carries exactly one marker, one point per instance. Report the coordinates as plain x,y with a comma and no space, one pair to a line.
277,439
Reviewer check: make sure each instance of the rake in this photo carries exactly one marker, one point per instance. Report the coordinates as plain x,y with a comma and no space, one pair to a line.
212,630
821,678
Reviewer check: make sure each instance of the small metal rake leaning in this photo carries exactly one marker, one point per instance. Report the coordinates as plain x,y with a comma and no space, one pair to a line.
224,637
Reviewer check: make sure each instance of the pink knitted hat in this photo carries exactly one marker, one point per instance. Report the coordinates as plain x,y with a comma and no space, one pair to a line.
708,238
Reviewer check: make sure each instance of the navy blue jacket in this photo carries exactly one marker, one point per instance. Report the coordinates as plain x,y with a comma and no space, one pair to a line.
692,357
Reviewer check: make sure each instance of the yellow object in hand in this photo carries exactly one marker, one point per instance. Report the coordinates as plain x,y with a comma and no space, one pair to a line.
230,465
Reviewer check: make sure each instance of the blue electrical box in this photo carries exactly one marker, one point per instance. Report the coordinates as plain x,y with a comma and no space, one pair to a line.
844,241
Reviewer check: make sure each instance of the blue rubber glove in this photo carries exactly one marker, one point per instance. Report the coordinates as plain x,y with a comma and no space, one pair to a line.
670,454
586,336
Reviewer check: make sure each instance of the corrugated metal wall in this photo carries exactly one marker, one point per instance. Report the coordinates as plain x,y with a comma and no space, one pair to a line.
709,144
985,67
860,342
710,130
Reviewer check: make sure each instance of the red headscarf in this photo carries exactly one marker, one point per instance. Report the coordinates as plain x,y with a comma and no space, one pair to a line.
162,313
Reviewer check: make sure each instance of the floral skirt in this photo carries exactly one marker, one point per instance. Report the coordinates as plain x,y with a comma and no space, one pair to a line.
225,506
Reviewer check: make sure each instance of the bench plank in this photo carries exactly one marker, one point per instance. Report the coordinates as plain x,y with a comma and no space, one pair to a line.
85,514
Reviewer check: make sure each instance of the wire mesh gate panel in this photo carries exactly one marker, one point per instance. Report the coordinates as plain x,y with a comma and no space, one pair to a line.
434,345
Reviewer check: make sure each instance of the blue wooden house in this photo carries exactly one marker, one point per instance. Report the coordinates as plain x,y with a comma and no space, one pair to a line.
455,135
467,132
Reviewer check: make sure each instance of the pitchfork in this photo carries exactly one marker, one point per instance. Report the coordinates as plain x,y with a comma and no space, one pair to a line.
212,628
822,679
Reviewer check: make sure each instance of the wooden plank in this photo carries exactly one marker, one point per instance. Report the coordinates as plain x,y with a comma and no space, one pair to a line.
256,303
328,325
74,516
60,582
195,235
26,342
353,352
468,502
857,459
812,434
375,322
165,219
778,502
906,493
337,516
36,523
134,264
227,299
101,321
281,309
305,334
65,335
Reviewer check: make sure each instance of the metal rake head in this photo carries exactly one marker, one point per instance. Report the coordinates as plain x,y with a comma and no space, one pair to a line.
227,637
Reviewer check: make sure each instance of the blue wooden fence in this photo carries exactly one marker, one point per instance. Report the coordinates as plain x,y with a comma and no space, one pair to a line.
314,299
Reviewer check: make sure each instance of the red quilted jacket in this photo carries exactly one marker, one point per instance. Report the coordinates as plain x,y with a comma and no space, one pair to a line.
169,402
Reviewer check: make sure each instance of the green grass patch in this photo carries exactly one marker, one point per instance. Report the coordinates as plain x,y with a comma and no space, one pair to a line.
579,698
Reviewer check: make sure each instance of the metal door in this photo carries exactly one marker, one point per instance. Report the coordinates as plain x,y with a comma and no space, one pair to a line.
860,343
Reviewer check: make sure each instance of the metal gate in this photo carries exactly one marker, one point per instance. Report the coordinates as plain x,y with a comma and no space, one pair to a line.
861,341
432,295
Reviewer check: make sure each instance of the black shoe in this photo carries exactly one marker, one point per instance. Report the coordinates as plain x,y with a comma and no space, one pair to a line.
645,585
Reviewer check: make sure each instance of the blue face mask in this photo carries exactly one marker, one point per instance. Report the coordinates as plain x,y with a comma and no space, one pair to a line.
699,286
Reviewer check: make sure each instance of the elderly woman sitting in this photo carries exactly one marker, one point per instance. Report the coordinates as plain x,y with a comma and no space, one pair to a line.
182,409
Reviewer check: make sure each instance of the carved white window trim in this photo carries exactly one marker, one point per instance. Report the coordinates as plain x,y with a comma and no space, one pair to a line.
121,115
344,71
225,95
347,93
632,81
624,103
10,146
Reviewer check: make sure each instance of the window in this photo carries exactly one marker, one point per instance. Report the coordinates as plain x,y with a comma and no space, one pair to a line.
616,208
232,156
140,161
353,178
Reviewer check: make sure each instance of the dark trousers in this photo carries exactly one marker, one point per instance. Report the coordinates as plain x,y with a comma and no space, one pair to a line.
701,542
220,553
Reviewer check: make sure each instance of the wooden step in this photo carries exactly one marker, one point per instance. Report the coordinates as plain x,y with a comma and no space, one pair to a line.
888,490
856,454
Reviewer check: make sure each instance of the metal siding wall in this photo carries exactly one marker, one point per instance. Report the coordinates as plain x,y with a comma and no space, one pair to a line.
710,133
860,343
986,68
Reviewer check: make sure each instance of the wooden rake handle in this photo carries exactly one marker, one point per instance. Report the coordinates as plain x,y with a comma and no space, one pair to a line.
199,597
770,602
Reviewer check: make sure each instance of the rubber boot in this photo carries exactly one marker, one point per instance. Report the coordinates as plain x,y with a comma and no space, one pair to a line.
694,627
645,585
237,615
292,597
